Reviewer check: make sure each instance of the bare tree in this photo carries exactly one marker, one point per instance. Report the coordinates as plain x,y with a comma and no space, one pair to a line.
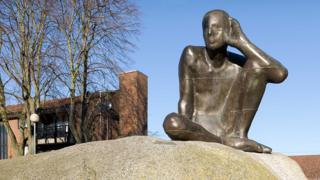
24,27
94,39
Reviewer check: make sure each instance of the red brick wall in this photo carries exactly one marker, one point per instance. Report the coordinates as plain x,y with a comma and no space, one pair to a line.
103,124
133,97
14,124
310,164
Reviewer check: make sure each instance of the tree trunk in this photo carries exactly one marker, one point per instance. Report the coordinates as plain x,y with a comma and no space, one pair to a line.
84,104
72,122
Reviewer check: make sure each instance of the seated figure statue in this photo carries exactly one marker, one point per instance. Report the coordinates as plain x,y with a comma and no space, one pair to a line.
220,91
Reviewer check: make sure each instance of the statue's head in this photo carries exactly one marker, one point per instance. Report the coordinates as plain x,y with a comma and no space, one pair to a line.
215,24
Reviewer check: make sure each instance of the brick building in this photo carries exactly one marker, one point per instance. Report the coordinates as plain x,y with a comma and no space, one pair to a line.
111,115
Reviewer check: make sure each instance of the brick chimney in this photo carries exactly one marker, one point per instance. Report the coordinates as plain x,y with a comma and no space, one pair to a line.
133,103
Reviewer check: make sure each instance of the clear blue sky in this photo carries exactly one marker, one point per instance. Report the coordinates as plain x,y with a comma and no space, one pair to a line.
288,119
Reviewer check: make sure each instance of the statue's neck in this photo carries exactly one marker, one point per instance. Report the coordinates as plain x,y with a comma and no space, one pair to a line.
216,57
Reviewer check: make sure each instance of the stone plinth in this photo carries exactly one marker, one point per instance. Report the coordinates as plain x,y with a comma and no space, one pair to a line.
143,157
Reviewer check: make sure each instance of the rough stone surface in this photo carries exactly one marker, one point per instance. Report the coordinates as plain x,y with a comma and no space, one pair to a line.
150,158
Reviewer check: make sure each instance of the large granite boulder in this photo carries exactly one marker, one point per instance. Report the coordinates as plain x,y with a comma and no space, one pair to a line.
150,158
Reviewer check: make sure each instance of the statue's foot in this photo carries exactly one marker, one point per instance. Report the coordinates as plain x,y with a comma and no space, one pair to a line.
245,144
265,149
179,127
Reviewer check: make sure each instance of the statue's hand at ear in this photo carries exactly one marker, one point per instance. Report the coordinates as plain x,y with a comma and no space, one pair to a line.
235,37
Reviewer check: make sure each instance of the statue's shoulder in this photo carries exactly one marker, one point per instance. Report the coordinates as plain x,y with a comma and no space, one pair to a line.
236,59
191,54
192,50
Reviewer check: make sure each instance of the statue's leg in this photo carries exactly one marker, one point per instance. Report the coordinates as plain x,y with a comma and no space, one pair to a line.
253,84
254,81
252,89
179,127
243,101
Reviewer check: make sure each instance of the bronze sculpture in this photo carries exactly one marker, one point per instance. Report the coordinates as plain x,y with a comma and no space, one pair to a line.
220,91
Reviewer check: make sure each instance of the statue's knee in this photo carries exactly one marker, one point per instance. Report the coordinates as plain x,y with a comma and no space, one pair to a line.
173,122
271,74
277,75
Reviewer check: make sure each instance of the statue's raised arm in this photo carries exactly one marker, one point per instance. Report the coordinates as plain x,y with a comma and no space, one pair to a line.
256,58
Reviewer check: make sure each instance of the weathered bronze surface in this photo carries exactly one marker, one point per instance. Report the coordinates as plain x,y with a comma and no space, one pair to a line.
220,91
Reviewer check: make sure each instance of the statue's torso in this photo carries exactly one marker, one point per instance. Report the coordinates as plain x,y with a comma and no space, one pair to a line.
211,92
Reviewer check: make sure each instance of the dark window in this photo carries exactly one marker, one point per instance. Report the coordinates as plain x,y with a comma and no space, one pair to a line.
52,130
3,142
